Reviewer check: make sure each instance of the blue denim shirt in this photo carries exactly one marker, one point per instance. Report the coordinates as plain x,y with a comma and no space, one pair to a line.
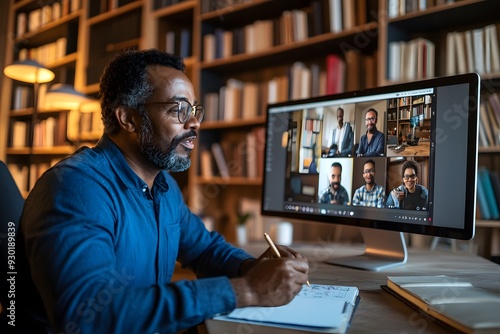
102,248
374,148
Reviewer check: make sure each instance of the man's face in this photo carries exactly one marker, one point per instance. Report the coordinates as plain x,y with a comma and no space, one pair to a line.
371,121
162,138
410,179
335,177
340,117
369,173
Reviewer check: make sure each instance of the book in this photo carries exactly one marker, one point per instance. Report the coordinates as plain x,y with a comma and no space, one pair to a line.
21,24
209,47
495,183
484,122
250,100
233,99
335,74
220,160
335,12
478,42
484,177
206,163
454,302
318,308
348,14
394,73
494,47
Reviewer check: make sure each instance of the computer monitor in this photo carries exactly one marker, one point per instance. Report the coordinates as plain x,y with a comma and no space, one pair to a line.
427,189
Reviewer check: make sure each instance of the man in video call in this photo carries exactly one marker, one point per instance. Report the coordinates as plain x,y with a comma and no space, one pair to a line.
370,194
409,195
335,193
342,138
372,143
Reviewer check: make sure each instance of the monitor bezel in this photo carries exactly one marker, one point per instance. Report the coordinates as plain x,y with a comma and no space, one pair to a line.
467,232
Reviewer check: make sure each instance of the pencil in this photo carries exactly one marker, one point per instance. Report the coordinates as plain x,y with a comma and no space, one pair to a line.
275,250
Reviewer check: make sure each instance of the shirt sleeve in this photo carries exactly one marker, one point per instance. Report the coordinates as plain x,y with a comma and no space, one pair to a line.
380,199
206,253
380,145
70,236
355,198
362,144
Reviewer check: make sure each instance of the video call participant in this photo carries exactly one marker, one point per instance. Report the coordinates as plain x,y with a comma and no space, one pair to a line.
370,194
340,144
372,143
409,195
335,193
104,228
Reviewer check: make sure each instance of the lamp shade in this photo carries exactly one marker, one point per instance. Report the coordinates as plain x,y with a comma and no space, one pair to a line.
90,106
28,71
62,96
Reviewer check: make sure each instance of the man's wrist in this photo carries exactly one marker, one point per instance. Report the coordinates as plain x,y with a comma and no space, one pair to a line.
243,293
246,265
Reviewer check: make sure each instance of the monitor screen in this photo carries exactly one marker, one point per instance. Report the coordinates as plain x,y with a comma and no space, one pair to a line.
399,158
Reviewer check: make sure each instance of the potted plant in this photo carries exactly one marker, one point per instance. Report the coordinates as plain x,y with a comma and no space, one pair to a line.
241,229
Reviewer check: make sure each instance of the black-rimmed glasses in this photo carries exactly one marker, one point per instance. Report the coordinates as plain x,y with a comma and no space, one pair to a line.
184,110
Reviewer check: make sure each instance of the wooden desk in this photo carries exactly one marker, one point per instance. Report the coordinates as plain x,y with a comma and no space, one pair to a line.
380,312
422,149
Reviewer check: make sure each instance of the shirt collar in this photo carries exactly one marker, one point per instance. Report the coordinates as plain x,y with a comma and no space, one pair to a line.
122,169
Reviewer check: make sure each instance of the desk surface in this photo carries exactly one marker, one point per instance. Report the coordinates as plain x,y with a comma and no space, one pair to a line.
422,149
378,311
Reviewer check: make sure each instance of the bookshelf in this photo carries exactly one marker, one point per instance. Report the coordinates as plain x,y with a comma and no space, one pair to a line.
454,50
290,64
400,113
231,64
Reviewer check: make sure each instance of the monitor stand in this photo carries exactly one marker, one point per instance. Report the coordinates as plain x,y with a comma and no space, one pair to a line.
383,250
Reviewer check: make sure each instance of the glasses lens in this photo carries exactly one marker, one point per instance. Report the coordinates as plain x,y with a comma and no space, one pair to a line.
407,177
184,111
368,171
199,113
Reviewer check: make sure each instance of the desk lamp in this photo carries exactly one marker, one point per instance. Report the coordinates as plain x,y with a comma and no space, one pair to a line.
63,96
33,72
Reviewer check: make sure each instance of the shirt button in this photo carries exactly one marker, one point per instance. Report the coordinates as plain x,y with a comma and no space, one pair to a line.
144,189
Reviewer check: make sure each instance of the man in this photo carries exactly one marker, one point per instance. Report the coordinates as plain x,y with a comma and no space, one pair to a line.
370,194
342,138
335,193
373,142
104,228
409,195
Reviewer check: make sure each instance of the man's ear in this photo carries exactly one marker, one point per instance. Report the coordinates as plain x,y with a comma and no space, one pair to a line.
126,119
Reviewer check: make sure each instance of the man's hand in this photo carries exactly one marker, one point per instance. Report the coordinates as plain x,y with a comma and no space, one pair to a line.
272,281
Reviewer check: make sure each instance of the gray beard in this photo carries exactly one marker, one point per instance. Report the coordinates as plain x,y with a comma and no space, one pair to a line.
169,161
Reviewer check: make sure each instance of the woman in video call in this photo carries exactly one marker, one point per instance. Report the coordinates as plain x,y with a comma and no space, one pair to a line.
409,195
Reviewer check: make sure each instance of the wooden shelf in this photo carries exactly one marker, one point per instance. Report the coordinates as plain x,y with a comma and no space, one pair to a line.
28,112
491,149
175,8
49,30
487,223
55,150
443,17
230,181
208,125
115,12
323,44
